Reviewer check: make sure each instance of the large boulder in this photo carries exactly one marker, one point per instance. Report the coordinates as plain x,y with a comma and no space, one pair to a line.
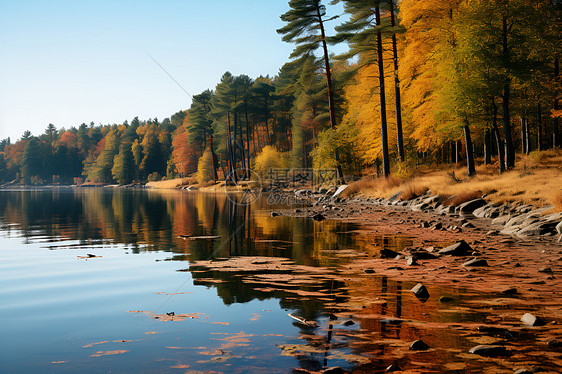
470,206
458,249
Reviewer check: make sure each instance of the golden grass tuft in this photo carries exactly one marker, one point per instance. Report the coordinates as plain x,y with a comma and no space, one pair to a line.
411,191
372,186
462,198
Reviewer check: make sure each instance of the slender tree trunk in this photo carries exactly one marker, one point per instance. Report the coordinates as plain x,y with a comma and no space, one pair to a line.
382,95
248,165
212,148
469,150
397,86
232,174
331,104
527,137
523,138
487,148
509,149
539,127
453,147
499,142
458,150
556,132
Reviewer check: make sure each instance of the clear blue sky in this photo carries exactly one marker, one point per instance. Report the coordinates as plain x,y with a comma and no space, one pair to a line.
67,62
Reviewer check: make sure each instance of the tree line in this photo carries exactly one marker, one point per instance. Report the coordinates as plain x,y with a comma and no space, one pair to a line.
423,82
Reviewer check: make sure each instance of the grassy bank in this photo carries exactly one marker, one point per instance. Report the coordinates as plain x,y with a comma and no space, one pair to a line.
536,180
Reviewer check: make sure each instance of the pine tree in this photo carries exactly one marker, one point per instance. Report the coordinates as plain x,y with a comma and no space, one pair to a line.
123,164
305,27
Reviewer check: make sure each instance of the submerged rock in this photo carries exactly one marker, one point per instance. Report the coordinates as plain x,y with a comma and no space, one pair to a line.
420,292
488,350
392,368
318,217
419,345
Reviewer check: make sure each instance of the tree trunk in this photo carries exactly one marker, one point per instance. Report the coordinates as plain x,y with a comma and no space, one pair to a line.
499,142
453,147
556,132
523,137
527,137
212,149
248,165
487,148
331,104
397,86
458,150
539,128
469,150
232,165
509,149
382,95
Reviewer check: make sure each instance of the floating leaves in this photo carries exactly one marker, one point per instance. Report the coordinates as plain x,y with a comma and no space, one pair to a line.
108,353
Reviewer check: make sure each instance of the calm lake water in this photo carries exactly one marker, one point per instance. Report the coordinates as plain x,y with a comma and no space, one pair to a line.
62,312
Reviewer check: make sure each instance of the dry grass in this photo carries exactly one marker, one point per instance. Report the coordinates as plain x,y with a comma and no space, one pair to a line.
536,180
371,186
412,190
456,200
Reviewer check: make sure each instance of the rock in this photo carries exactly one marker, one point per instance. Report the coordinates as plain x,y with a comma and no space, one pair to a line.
546,270
488,350
368,271
391,321
531,320
423,255
510,291
553,343
393,368
437,226
419,345
274,214
458,249
420,292
559,228
476,262
411,261
389,253
446,299
470,206
523,371
318,217
333,370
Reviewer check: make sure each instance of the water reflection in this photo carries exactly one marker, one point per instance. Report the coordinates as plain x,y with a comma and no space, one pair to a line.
362,321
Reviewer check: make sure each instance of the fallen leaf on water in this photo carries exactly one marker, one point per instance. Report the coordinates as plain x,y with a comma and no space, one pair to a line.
151,332
221,323
92,344
273,335
58,362
108,353
180,366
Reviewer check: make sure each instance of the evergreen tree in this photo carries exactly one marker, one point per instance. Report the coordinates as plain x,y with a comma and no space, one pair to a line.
305,27
32,160
123,164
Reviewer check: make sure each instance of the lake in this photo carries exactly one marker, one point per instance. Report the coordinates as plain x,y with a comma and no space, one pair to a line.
143,281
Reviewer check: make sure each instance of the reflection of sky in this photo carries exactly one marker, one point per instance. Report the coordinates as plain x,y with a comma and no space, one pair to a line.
68,62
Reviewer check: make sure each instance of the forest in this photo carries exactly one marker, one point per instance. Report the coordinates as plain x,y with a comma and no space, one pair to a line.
422,83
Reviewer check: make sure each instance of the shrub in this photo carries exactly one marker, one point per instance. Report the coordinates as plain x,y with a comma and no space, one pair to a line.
154,177
270,158
205,167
